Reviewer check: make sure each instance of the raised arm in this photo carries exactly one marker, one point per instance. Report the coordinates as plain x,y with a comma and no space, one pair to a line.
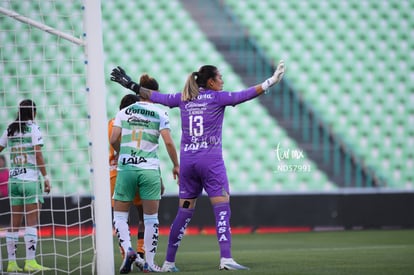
145,93
119,75
234,98
274,79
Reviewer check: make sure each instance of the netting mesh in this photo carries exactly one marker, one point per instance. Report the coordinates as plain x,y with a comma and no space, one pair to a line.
50,70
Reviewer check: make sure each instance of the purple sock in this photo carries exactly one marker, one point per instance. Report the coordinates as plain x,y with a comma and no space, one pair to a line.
222,213
177,230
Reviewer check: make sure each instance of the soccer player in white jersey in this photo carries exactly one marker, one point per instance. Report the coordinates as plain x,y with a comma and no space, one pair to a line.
134,137
24,139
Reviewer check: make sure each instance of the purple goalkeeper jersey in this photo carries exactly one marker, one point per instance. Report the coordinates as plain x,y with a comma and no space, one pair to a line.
202,119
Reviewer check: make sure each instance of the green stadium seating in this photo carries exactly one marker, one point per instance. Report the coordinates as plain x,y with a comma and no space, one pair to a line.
351,54
159,38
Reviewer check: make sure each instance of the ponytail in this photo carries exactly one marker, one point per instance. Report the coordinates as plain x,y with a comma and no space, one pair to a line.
190,88
198,80
148,82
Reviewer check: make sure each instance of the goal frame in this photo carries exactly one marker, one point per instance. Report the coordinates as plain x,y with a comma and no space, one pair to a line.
99,137
92,42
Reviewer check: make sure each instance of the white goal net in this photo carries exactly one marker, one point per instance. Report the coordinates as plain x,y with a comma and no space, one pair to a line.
48,55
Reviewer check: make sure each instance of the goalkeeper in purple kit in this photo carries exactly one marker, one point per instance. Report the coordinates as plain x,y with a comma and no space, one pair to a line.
202,104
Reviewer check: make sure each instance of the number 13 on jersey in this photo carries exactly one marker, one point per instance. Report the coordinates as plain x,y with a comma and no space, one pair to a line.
196,127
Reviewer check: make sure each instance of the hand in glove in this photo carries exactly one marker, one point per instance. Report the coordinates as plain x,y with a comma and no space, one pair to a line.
277,76
118,75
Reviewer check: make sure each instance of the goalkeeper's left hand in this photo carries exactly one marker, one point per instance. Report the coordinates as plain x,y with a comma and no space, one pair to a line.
276,77
118,75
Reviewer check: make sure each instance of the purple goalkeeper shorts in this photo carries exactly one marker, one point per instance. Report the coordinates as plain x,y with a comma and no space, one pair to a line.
207,174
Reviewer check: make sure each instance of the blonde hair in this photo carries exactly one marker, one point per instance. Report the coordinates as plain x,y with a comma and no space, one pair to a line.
190,90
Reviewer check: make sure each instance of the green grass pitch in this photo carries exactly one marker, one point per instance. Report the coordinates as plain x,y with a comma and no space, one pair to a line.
341,252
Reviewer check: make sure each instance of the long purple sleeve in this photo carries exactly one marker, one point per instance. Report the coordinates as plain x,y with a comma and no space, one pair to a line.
234,98
169,100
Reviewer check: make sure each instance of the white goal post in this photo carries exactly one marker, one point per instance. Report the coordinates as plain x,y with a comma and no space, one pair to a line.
99,137
95,95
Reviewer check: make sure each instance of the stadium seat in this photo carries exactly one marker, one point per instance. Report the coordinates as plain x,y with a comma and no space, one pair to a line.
360,51
150,45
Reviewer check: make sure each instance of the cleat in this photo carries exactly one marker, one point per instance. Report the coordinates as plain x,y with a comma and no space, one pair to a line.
169,267
13,267
139,262
151,268
32,265
129,259
230,264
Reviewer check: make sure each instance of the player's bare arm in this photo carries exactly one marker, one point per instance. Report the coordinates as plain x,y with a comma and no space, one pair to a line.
169,145
42,167
115,138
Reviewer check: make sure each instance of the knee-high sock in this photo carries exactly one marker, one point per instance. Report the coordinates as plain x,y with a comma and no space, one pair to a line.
177,230
151,237
30,239
222,214
11,239
122,229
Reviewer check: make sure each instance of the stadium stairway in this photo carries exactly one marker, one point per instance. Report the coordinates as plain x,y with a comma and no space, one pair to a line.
302,123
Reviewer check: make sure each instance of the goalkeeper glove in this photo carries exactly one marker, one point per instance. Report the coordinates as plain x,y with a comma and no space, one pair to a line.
276,77
118,75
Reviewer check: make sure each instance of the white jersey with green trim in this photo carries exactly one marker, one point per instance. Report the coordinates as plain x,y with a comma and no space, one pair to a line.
141,124
22,155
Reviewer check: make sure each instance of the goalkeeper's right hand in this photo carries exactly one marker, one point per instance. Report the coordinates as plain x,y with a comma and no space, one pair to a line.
118,75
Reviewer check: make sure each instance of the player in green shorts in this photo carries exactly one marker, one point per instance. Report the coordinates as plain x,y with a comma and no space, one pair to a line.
24,139
135,134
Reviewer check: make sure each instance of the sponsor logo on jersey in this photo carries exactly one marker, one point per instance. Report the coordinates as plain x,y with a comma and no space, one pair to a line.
195,105
17,171
138,121
144,112
133,159
205,96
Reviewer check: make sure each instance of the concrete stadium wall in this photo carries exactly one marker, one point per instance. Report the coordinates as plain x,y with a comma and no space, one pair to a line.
313,210
328,211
